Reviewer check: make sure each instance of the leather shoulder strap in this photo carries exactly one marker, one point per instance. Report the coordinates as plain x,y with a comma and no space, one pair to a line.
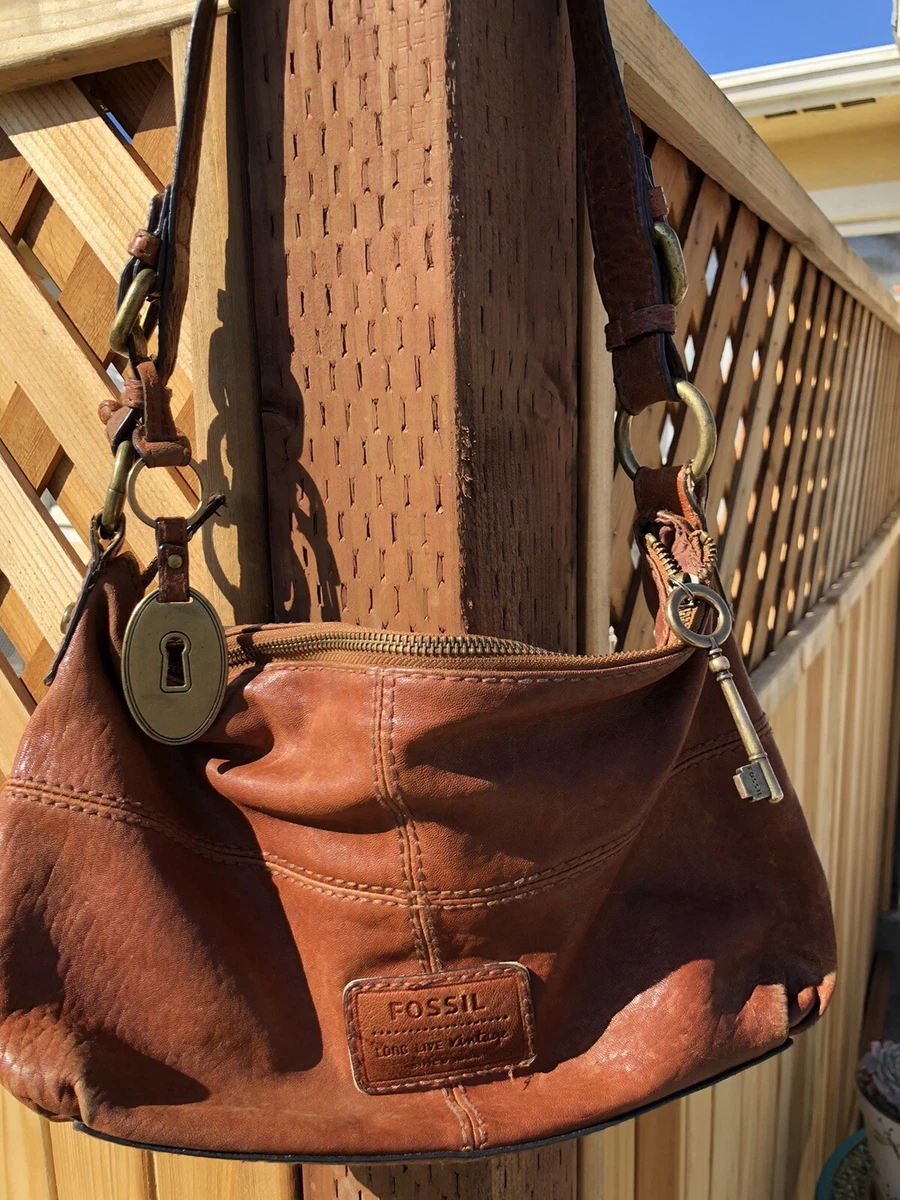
623,205
161,254
165,243
179,215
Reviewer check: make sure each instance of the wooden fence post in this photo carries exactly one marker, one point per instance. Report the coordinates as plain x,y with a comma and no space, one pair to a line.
415,246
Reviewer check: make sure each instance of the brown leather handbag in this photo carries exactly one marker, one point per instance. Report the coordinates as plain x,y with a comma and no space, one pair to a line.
382,895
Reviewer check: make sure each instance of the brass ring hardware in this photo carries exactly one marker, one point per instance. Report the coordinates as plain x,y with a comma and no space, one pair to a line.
130,309
114,504
669,245
682,591
694,400
141,514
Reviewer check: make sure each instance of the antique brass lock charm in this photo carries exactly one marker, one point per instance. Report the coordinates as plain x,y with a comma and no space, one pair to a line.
174,660
174,667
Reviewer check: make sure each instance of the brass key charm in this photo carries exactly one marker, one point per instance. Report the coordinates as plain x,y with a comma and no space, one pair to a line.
757,780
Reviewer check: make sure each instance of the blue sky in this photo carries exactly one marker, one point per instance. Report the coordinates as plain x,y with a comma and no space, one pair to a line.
725,35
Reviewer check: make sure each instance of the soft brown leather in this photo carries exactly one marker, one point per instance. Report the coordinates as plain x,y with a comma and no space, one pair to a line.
178,925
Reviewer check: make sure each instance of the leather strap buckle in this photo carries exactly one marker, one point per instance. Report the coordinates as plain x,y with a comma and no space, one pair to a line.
669,246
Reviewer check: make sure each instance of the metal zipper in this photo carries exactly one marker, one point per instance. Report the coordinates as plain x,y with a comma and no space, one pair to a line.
366,641
247,647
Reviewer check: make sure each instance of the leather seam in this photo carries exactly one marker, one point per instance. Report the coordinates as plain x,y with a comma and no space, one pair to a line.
382,794
480,1128
716,750
420,882
568,675
234,859
220,852
63,790
466,1127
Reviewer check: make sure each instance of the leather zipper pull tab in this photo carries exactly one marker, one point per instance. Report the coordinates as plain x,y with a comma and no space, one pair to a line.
172,555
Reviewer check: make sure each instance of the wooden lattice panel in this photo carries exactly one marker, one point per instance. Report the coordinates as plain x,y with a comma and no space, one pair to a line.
804,384
79,163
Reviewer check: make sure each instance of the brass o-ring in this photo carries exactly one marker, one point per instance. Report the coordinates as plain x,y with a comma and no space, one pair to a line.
696,591
141,514
694,400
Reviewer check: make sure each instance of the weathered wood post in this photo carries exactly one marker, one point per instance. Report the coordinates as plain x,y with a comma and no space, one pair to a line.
415,244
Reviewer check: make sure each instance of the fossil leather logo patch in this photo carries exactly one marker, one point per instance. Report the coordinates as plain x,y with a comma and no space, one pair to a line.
425,1031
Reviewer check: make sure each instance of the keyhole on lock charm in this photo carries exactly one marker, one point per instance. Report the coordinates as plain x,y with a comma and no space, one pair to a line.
176,667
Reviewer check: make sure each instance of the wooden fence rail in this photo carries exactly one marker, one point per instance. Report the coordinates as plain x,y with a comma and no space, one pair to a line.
448,473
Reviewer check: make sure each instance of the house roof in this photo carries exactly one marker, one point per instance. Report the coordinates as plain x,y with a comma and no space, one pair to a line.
810,84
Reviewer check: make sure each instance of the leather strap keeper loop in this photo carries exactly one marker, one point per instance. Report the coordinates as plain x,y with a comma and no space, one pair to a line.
157,439
657,318
659,205
145,246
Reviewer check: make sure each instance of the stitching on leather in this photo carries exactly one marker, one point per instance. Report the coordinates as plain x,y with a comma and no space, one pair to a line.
382,792
558,881
407,983
420,882
179,833
587,675
481,1131
570,675
718,752
236,859
220,852
567,867
465,1123
437,1028
716,748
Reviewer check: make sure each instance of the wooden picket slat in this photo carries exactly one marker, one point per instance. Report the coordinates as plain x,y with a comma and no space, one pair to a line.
16,706
85,1166
27,1170
34,556
198,1179
87,170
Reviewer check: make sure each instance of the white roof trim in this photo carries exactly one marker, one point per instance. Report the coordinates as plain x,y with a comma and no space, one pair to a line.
812,82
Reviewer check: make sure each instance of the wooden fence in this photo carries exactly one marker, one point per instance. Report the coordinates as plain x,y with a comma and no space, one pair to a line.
395,498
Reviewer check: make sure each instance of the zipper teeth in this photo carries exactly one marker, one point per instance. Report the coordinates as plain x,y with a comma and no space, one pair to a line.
423,645
671,564
663,555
